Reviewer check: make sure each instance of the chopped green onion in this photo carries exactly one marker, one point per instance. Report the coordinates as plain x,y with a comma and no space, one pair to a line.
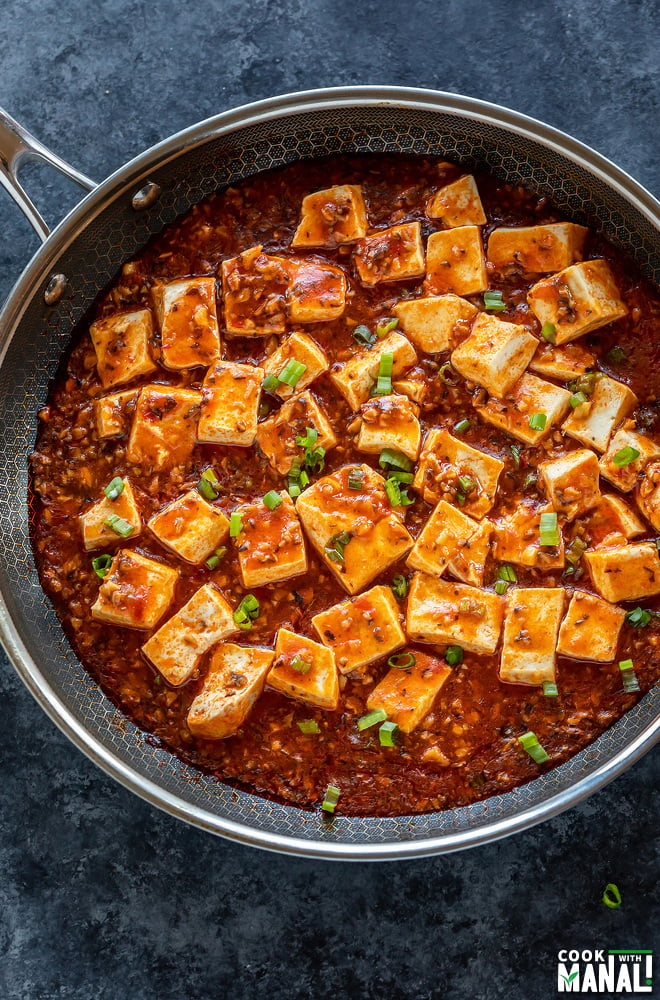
264,409
530,743
292,372
576,550
400,477
210,477
385,326
399,586
388,733
314,455
363,335
334,548
585,383
389,456
628,676
466,606
442,373
493,302
214,560
515,451
507,573
119,526
356,479
272,499
299,665
625,456
101,565
549,332
393,492
294,489
235,524
309,439
577,399
548,528
462,426
530,480
402,661
207,483
331,799
537,421
638,618
454,655
616,355
247,612
114,488
384,380
372,719
550,689
612,896
309,726
270,384
467,484
501,587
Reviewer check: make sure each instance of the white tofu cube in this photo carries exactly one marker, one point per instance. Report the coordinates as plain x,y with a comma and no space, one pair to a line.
297,347
495,354
518,539
455,262
189,332
440,611
230,404
254,288
457,204
408,695
394,254
529,396
276,436
232,685
571,482
593,422
624,477
317,292
626,572
469,563
543,248
581,298
590,630
356,377
304,670
433,323
332,217
377,536
122,344
270,545
648,495
190,527
611,522
113,414
450,470
530,634
390,422
164,427
136,591
415,391
96,533
178,645
441,539
361,630
566,362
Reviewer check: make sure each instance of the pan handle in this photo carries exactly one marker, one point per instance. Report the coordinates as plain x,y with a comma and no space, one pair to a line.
16,147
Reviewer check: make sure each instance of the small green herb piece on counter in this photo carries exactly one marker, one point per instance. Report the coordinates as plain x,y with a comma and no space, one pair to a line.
101,565
531,745
612,896
114,488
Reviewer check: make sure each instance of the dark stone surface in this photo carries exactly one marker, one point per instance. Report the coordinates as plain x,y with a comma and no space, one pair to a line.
101,895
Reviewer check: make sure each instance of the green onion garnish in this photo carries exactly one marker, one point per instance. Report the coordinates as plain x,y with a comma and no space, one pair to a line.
628,676
399,586
577,399
548,528
309,439
264,409
331,799
507,573
383,385
530,743
101,565
272,499
372,719
292,372
400,477
576,550
210,477
402,661
334,548
356,479
462,426
235,524
585,383
537,421
294,489
271,383
625,456
467,484
616,355
638,618
247,612
454,655
388,734
501,587
393,492
612,896
363,335
314,455
389,456
299,665
385,326
493,302
114,488
298,479
119,526
214,560
515,451
549,332
208,485
308,726
466,606
550,689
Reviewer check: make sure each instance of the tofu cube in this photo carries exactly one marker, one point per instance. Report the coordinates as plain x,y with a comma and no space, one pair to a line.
394,254
446,463
469,563
495,354
297,347
571,482
233,683
276,436
189,332
332,217
530,634
164,427
441,611
317,292
611,522
625,477
361,630
122,345
390,422
648,495
356,377
518,539
590,630
433,323
537,248
530,395
566,362
113,414
408,695
580,298
190,527
304,670
136,591
270,545
593,422
254,288
378,538
96,533
415,391
457,204
441,539
625,572
455,262
178,645
230,404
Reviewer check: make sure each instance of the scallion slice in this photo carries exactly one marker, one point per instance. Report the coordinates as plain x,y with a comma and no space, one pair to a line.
585,383
385,326
442,372
576,550
213,561
400,477
210,477
235,524
612,896
247,612
272,499
299,665
549,332
548,528
390,457
399,586
270,384
537,421
101,565
402,661
454,655
388,733
507,573
383,385
467,484
550,689
294,489
331,799
208,485
363,335
625,456
501,587
462,426
493,302
638,618
292,372
515,451
308,726
577,399
628,676
264,409
114,488
334,547
356,479
119,526
372,719
531,745
393,492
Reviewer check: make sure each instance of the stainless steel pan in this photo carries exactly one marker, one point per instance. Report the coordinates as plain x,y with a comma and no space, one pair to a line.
85,251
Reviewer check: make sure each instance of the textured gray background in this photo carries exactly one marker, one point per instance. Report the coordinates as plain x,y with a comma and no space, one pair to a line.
100,895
